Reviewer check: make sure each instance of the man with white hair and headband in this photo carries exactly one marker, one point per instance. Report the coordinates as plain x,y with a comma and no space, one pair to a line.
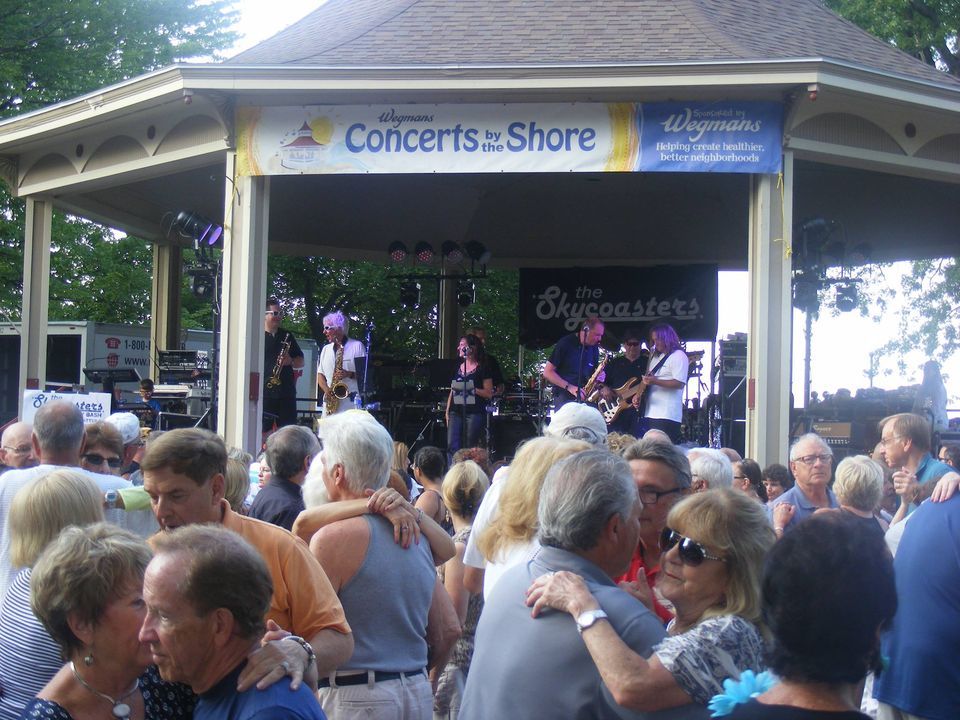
337,369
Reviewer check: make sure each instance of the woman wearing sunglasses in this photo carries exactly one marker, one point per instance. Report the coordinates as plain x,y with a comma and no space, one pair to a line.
713,549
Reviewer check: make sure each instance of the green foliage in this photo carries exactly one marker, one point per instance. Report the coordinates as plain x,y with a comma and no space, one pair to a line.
51,50
311,287
926,29
56,49
931,317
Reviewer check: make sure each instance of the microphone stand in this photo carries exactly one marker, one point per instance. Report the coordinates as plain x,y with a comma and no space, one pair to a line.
463,409
362,389
580,364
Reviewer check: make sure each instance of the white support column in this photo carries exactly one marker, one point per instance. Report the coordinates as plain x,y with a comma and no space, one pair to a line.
36,294
245,232
768,347
165,301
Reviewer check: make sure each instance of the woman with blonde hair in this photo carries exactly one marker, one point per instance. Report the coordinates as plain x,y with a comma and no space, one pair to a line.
511,537
859,489
237,485
29,657
463,488
713,548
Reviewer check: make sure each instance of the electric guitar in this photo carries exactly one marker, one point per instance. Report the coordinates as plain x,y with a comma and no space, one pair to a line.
624,394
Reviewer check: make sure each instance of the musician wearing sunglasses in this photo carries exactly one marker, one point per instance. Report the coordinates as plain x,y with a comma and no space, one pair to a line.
281,356
811,462
337,369
103,452
713,549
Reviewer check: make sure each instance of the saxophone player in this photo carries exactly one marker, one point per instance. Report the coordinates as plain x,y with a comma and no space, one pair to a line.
337,366
281,356
573,361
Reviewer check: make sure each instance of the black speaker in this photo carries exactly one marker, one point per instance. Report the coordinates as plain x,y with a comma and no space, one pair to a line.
508,431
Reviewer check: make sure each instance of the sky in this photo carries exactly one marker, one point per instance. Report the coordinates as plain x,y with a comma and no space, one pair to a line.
841,345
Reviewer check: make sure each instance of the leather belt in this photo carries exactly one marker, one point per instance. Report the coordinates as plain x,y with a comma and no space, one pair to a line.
362,678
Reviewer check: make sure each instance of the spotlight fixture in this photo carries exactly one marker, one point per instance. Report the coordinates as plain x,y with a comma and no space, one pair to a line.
410,293
201,282
196,226
805,293
424,252
477,252
847,297
466,293
451,251
398,251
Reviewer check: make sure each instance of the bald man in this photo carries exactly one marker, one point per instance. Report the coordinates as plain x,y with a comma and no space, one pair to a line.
16,447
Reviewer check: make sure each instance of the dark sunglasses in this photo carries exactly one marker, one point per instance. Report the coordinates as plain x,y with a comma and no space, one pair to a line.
691,552
95,459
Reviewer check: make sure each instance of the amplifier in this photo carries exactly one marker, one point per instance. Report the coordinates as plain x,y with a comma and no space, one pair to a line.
834,433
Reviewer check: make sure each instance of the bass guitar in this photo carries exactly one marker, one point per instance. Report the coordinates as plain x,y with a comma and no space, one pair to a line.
610,409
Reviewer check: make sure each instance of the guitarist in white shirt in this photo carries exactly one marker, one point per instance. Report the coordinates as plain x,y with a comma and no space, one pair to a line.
665,383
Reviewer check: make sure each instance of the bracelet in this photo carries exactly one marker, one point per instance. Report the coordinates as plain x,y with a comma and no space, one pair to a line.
307,648
778,530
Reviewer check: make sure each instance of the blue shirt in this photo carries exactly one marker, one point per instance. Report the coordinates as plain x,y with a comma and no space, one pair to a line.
804,508
277,702
923,678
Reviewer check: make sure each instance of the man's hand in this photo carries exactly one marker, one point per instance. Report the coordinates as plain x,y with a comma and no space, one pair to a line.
272,661
905,484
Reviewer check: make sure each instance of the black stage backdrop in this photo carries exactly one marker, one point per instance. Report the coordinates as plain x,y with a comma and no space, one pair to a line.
554,302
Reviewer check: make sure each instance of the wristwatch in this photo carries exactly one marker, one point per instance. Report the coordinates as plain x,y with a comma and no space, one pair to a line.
110,499
307,648
588,618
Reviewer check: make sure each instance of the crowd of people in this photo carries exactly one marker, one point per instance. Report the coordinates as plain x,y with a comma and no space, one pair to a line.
596,575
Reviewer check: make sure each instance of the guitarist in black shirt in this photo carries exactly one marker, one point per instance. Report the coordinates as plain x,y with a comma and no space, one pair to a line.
621,372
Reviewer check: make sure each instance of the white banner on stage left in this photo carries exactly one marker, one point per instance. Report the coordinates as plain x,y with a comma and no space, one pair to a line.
343,139
94,406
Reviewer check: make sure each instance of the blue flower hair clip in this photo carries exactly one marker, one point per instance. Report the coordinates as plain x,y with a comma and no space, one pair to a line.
737,692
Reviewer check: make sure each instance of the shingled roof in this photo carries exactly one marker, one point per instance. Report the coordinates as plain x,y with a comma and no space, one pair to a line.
576,32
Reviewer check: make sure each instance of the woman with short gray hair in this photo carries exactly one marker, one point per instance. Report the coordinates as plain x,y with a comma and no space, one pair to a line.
859,488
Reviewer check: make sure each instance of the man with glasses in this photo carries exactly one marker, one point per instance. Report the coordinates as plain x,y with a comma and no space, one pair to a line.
619,371
16,448
905,446
811,462
281,356
662,476
573,361
335,327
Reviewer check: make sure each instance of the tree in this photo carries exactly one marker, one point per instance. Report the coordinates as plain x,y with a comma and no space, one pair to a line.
926,29
56,49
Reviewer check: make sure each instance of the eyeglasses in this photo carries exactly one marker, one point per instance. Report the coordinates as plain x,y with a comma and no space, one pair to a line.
812,459
739,477
95,459
327,328
691,552
887,440
19,450
275,313
649,496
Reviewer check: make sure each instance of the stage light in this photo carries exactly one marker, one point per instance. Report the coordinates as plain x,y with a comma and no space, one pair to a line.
451,252
805,295
410,293
201,282
466,293
398,251
847,297
477,252
196,226
424,252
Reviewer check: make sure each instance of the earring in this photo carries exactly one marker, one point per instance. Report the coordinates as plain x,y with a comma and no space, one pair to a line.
88,659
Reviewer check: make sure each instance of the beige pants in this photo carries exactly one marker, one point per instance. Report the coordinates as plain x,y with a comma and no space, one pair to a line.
888,712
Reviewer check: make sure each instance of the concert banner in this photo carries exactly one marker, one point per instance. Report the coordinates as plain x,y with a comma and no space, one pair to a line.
554,302
722,136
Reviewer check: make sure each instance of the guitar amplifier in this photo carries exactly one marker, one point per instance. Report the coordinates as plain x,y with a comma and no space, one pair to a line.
835,434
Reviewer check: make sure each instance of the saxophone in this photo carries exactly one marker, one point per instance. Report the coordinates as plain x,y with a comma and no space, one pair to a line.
589,388
338,391
274,380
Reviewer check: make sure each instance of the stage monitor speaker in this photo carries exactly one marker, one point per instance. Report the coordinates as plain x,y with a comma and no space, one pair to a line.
733,411
508,431
172,421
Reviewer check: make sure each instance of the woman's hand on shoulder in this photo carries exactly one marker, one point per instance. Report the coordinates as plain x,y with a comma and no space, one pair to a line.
562,590
401,514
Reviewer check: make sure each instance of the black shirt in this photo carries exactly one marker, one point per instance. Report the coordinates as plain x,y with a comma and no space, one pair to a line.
620,369
272,344
278,502
566,358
